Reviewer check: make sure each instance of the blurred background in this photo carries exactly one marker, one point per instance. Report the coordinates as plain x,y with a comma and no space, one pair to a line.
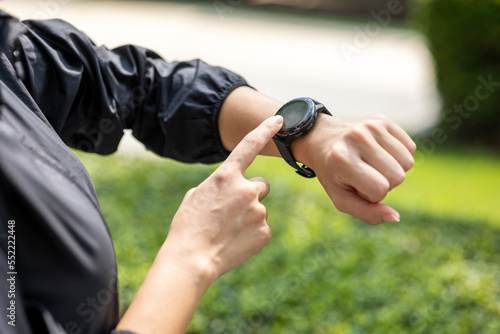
433,66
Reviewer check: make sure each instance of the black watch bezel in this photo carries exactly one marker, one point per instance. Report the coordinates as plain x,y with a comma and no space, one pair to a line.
284,138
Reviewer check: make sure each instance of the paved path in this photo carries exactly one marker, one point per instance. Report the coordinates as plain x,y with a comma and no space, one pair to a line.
356,68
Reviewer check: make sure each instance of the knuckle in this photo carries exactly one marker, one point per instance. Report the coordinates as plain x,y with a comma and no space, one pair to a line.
398,179
261,212
339,155
358,130
406,161
380,190
341,206
252,140
357,134
375,127
265,233
381,117
189,192
221,176
249,192
412,147
409,164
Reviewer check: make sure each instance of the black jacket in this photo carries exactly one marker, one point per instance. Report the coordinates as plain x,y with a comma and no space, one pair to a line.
57,263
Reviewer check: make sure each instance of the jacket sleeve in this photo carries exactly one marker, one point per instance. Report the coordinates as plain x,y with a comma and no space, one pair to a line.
90,94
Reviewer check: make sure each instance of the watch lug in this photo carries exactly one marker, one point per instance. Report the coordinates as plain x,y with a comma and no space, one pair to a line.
320,107
306,172
296,131
284,140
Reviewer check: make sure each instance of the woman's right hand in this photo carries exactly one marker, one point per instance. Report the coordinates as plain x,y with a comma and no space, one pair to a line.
222,222
219,225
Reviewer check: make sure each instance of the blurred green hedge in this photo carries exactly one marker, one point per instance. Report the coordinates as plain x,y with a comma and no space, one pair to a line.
322,272
464,38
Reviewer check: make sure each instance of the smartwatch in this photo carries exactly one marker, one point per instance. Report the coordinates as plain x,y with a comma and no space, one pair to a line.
299,116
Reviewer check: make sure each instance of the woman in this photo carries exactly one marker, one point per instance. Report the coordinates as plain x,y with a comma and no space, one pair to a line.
58,89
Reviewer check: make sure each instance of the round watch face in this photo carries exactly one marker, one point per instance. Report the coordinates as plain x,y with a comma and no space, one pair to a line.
294,113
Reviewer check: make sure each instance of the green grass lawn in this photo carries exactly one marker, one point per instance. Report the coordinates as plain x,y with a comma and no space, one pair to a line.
461,183
437,271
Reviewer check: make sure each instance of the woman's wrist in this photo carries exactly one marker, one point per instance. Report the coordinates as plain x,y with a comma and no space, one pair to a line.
303,147
242,111
169,295
199,267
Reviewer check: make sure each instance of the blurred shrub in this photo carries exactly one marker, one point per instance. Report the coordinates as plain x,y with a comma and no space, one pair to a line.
464,38
323,272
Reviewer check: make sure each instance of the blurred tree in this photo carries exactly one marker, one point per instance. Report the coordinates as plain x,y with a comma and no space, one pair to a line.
464,38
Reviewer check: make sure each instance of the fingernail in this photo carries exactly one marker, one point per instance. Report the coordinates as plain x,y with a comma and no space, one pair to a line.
277,119
392,218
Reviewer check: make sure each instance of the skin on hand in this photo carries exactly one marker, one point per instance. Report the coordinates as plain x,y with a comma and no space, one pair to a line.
222,222
357,161
219,225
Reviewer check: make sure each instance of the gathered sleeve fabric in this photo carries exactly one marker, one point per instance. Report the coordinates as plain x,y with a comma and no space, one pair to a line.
90,94
57,88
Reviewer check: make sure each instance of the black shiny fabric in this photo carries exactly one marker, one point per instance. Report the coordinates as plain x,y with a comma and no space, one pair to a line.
90,94
75,93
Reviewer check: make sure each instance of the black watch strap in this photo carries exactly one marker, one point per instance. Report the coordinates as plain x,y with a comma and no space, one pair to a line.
288,157
283,143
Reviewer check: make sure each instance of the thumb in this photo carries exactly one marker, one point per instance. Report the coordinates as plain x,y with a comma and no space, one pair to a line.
348,201
246,151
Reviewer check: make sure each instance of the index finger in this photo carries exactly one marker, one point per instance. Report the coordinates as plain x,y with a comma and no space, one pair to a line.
246,151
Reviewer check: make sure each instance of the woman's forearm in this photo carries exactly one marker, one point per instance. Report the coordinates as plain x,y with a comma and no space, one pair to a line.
243,110
168,297
219,225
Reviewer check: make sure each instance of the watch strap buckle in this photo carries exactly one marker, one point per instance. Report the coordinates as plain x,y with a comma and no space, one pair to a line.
305,172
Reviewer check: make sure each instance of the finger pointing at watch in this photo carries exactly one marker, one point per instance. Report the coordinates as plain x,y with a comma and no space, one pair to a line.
251,145
357,162
223,222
